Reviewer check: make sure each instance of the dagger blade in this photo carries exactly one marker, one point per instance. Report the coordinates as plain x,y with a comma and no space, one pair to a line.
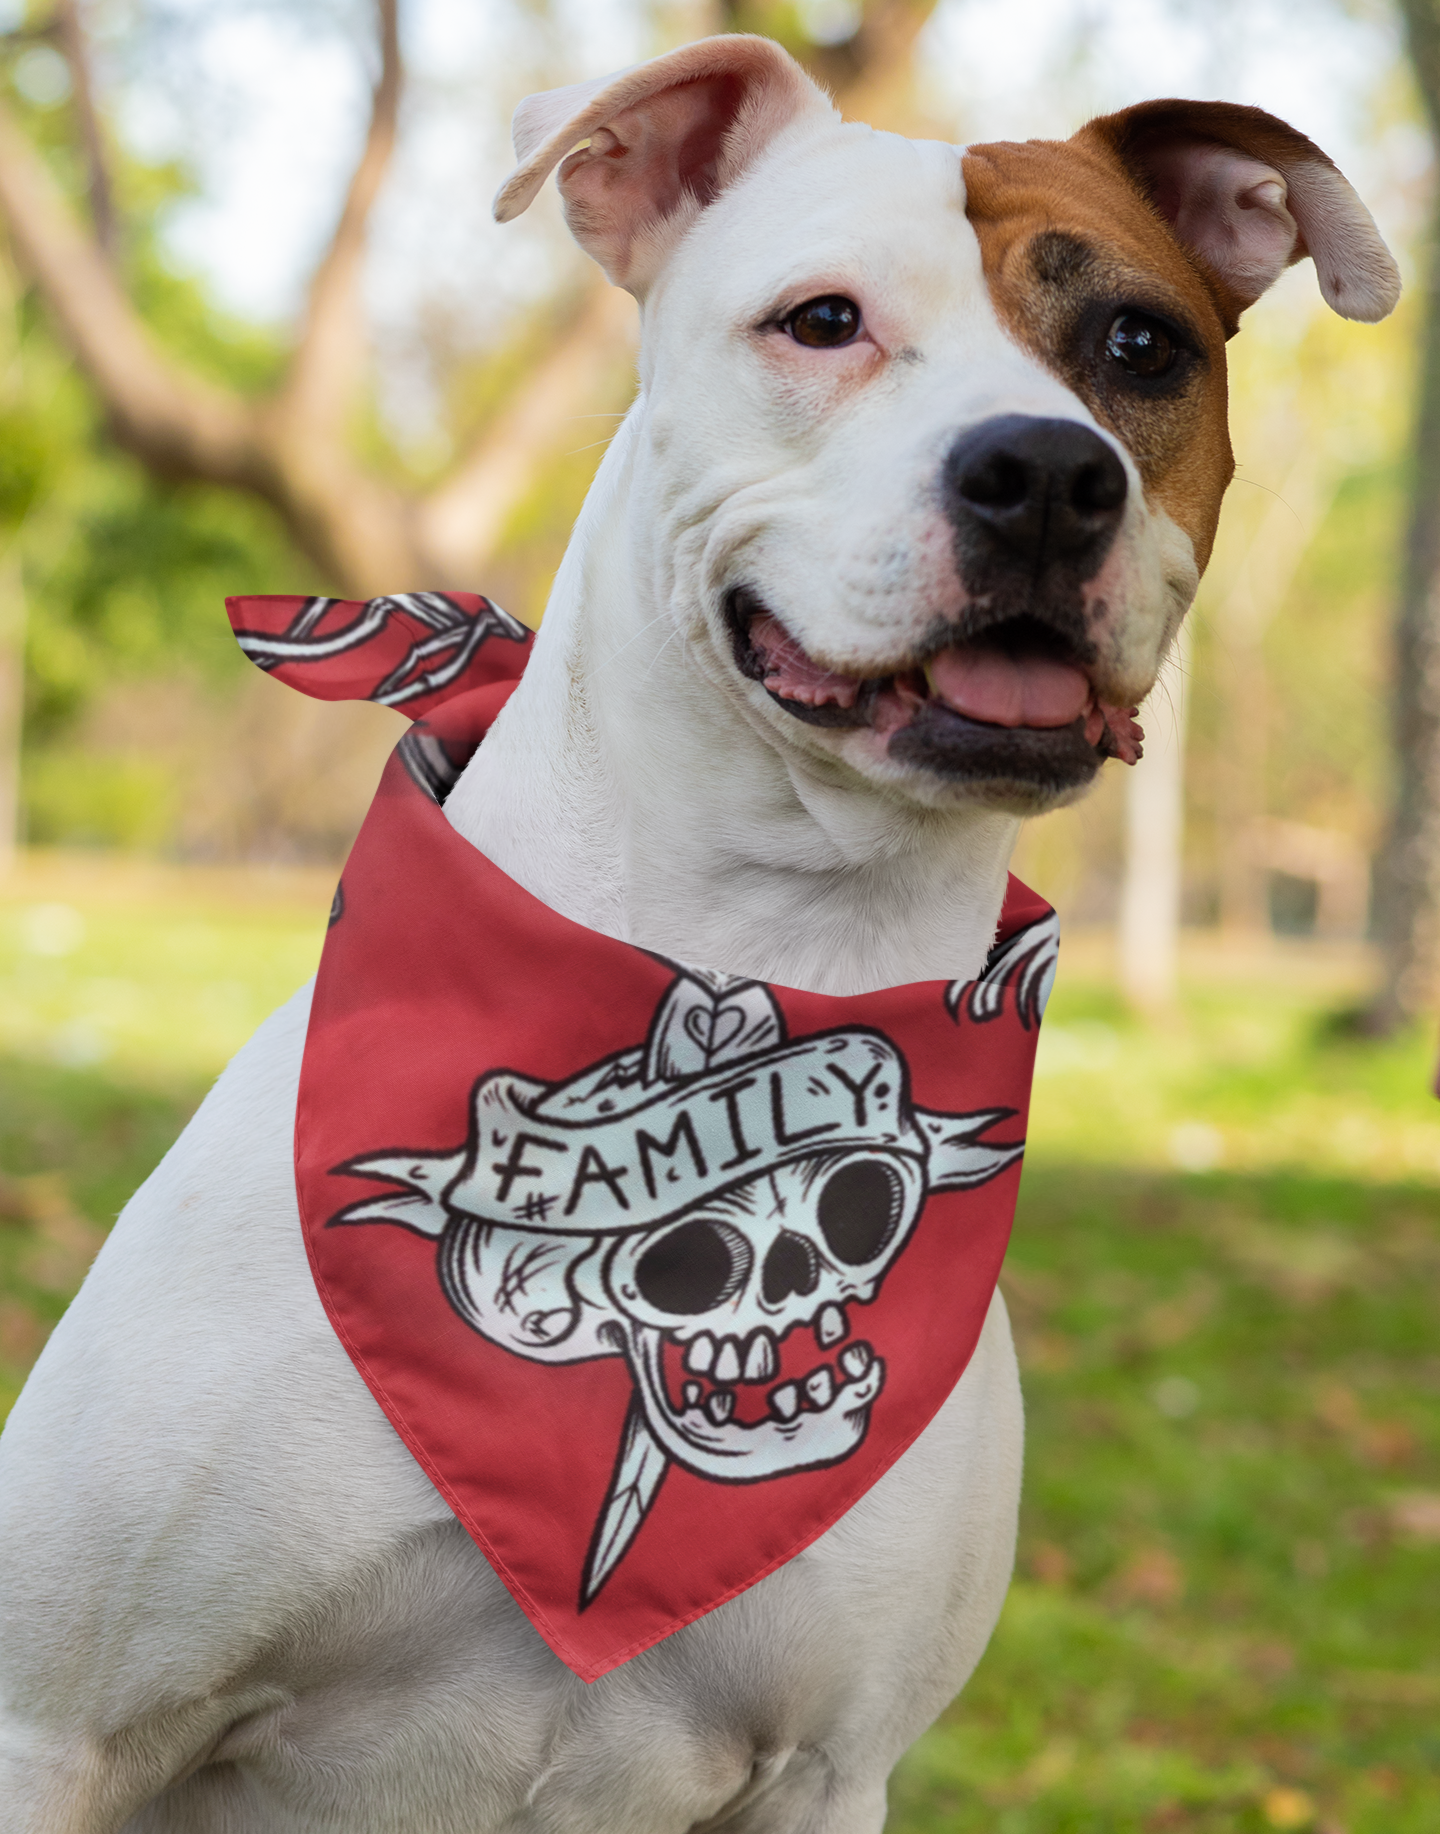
639,1469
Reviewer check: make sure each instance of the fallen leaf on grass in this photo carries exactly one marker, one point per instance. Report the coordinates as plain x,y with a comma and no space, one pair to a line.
1169,1322
1387,1688
1338,1407
1052,1765
1043,1352
65,1241
1270,1661
1312,1559
1152,1577
13,1208
1367,1528
1050,1564
1169,1815
1385,1442
1301,1265
22,1335
1288,1808
1377,1442
1417,1514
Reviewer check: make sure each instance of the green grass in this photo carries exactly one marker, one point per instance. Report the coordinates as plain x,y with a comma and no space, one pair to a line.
123,989
1218,1598
1227,1608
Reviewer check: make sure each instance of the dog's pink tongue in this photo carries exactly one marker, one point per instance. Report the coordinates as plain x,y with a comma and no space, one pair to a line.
986,684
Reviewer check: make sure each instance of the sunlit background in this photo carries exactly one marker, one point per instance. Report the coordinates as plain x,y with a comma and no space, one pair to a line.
1225,1264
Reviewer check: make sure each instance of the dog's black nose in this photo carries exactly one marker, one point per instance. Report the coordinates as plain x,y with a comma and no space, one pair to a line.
1041,491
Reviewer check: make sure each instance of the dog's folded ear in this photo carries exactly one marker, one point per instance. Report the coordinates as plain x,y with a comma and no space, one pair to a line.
1247,196
661,140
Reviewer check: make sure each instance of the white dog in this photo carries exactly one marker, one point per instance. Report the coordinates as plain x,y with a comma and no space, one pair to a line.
925,463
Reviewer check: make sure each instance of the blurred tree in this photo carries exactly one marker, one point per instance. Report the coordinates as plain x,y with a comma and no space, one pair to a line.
1407,874
293,444
863,54
289,429
21,466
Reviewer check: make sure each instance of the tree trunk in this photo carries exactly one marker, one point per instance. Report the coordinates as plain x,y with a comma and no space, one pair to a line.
1258,582
1154,843
12,701
1407,871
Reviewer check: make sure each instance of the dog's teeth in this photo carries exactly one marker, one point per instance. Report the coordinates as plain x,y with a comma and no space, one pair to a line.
720,1406
785,1401
761,1361
855,1360
820,1387
692,1392
727,1364
700,1354
830,1327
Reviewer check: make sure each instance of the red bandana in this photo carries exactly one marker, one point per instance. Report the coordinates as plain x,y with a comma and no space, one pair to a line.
654,1269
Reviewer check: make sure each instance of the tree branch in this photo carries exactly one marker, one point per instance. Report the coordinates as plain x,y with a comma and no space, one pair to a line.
1422,35
880,87
868,73
356,528
1407,868
330,355
102,203
175,423
463,518
291,450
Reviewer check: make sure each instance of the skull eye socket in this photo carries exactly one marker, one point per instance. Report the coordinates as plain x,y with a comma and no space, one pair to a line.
859,1210
693,1269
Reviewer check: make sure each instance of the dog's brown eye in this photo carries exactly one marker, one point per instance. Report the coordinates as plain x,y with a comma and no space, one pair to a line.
823,323
1140,345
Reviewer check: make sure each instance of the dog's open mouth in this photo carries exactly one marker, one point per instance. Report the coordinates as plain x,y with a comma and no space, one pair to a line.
1014,703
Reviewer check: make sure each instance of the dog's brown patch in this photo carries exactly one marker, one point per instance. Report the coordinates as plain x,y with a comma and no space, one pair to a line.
1068,242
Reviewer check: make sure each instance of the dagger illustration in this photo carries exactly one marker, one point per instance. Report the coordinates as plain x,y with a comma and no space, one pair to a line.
639,1470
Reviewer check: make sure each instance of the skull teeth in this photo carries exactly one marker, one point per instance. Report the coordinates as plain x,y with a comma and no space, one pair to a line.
785,1401
830,1326
720,1406
820,1387
700,1354
761,1364
855,1359
761,1360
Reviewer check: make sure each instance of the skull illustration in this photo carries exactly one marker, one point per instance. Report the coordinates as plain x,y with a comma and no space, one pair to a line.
712,1205
725,1284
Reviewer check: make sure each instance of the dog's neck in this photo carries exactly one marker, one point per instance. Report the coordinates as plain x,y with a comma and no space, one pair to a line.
627,787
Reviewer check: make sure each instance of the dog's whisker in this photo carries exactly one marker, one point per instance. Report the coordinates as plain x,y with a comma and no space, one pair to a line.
654,660
615,655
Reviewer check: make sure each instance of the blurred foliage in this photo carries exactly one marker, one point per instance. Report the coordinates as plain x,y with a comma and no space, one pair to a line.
124,575
1256,1069
160,978
87,801
1306,379
138,588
